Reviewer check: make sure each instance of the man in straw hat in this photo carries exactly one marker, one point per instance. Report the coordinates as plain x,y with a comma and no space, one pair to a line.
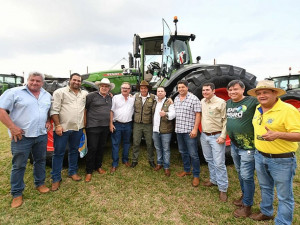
98,106
276,133
143,111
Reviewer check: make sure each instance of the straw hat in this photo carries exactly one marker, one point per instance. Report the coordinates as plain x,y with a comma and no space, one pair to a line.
266,84
105,81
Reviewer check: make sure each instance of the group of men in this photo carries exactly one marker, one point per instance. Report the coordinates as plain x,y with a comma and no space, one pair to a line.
264,132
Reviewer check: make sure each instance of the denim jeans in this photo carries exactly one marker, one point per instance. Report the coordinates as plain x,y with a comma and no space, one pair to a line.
214,155
162,146
244,164
122,132
72,138
278,172
189,152
20,151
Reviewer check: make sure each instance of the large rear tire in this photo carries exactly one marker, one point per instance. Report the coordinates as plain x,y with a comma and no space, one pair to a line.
220,75
292,97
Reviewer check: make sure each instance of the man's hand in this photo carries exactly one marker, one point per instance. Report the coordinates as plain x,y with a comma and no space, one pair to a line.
162,113
59,130
112,128
48,125
16,133
170,101
193,133
270,135
220,140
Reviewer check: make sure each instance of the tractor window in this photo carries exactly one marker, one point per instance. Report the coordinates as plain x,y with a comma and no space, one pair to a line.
19,80
9,80
1,79
180,52
285,84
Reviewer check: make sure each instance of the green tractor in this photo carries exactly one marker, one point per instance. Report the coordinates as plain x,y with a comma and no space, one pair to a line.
9,81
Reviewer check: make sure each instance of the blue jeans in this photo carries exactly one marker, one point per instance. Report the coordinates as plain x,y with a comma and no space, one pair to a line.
189,152
244,164
278,172
214,155
122,131
162,146
20,151
72,138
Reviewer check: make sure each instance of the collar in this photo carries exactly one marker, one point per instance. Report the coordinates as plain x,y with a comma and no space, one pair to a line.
148,95
163,100
212,99
276,107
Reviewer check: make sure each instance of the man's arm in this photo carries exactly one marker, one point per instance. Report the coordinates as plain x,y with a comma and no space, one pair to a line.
222,137
273,135
58,127
111,125
16,132
194,132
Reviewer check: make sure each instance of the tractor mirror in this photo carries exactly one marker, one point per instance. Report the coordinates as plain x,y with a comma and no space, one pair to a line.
136,46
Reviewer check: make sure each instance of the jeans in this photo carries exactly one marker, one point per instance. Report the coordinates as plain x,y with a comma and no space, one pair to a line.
72,138
122,132
162,146
189,152
138,130
244,164
20,151
96,141
214,155
278,172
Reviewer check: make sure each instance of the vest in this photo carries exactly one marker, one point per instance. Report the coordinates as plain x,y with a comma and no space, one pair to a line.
143,113
166,126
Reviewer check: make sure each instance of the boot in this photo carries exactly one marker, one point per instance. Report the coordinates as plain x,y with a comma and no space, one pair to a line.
238,202
243,212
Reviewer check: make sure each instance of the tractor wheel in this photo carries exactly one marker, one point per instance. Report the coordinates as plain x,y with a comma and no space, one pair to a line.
220,75
292,97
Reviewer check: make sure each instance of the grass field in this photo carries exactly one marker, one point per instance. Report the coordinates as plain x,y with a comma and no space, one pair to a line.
130,196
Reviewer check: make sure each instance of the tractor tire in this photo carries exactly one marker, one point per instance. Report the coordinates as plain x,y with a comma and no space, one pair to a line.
220,75
292,97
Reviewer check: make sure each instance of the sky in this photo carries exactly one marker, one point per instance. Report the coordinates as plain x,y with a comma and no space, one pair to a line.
58,36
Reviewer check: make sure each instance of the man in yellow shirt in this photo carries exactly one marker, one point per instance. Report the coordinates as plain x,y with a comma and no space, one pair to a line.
276,133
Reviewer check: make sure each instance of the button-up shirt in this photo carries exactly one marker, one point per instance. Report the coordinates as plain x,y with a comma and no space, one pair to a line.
70,108
213,117
157,117
185,112
26,111
123,110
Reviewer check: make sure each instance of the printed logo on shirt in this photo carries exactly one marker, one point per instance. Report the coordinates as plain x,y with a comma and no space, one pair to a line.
237,112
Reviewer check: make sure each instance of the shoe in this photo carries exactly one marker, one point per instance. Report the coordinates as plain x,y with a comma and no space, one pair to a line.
196,182
127,164
88,177
133,164
182,174
208,183
167,172
113,169
101,171
238,202
75,177
55,186
242,212
158,167
43,189
152,164
223,196
17,202
259,217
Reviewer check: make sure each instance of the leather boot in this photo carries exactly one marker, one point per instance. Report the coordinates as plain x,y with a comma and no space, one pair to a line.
242,212
259,217
238,202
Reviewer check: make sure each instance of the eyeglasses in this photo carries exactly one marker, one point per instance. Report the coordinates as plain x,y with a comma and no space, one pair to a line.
125,88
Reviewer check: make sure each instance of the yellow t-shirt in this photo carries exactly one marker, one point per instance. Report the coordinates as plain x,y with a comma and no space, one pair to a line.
283,117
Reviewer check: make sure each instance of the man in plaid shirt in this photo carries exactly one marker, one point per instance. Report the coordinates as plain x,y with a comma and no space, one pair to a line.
187,110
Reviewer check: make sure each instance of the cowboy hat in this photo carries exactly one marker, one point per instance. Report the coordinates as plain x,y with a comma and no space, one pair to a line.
105,81
266,84
143,83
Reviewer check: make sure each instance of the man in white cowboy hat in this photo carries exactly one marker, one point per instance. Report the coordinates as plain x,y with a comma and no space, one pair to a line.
67,112
276,133
98,106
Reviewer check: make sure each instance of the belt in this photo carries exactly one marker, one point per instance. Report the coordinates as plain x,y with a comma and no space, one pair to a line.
213,133
121,122
282,155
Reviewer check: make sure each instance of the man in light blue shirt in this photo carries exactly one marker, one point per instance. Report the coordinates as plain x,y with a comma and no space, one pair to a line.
24,111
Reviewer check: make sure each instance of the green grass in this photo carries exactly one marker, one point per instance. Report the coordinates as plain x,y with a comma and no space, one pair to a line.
130,196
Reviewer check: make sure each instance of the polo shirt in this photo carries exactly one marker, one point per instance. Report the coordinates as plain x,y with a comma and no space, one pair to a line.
26,111
283,117
185,112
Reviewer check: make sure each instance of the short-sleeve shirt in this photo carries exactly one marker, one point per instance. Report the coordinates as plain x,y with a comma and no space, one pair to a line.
97,110
239,122
185,112
283,117
26,111
69,107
